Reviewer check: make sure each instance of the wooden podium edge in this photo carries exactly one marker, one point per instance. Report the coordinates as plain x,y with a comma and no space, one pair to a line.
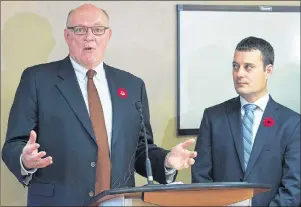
193,197
150,194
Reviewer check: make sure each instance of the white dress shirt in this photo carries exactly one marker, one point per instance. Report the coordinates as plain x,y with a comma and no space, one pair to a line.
258,113
102,87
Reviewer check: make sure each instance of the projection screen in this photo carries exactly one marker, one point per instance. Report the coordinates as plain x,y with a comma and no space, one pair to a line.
207,36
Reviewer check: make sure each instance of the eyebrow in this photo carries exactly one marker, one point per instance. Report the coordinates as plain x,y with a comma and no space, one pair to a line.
233,62
96,24
100,24
249,64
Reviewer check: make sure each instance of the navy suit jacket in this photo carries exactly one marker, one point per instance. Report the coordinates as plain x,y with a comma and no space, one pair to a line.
49,100
275,156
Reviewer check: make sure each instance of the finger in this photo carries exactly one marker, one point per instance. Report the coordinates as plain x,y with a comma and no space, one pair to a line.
32,137
191,161
188,154
44,162
187,143
35,157
193,154
29,148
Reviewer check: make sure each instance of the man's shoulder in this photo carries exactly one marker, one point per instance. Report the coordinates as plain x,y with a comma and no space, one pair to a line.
224,105
287,113
120,73
44,67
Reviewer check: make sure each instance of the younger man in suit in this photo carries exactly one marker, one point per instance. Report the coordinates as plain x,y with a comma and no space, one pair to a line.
251,138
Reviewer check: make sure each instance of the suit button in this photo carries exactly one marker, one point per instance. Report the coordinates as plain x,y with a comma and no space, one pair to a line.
91,194
93,164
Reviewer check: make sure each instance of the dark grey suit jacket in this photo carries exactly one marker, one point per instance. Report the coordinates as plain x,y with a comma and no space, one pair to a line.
49,100
275,157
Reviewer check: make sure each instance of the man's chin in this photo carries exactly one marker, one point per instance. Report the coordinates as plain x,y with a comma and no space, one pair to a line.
90,63
241,91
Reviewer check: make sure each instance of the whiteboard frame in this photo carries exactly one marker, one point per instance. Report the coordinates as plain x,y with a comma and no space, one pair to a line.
214,8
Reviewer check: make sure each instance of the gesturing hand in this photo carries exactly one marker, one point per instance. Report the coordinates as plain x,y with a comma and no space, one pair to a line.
31,158
180,157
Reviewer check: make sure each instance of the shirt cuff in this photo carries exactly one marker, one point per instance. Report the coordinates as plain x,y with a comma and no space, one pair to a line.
169,172
25,172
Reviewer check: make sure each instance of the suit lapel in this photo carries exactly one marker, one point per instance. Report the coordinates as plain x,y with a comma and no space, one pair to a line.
264,134
234,116
70,89
116,106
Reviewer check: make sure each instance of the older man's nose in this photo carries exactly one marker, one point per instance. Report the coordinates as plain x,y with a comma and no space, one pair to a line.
89,35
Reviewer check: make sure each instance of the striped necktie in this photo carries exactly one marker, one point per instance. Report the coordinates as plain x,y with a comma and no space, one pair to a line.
247,131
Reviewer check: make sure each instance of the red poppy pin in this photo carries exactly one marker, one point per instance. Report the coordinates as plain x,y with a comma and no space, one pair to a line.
268,122
122,93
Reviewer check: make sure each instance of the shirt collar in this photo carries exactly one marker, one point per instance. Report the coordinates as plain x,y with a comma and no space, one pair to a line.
81,71
261,103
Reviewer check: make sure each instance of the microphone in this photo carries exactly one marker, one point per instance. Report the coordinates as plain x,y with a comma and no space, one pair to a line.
148,166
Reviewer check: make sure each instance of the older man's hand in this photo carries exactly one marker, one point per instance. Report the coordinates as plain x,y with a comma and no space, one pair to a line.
180,157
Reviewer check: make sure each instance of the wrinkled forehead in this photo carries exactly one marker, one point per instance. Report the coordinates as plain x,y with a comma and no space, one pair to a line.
88,18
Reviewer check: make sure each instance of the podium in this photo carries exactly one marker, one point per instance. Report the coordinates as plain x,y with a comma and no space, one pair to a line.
196,194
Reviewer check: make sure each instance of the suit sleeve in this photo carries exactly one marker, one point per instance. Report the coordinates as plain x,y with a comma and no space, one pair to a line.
22,119
289,192
156,154
201,171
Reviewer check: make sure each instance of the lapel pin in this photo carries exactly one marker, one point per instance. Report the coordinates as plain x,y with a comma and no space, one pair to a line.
268,122
122,93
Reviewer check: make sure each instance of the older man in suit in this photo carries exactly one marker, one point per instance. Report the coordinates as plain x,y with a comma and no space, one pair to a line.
91,120
251,138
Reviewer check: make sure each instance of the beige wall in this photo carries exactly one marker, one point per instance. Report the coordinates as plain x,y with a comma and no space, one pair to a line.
143,43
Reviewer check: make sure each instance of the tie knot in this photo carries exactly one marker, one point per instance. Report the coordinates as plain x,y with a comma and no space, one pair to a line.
250,107
91,73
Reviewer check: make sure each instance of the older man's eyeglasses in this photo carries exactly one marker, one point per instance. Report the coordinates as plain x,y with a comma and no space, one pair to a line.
82,30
